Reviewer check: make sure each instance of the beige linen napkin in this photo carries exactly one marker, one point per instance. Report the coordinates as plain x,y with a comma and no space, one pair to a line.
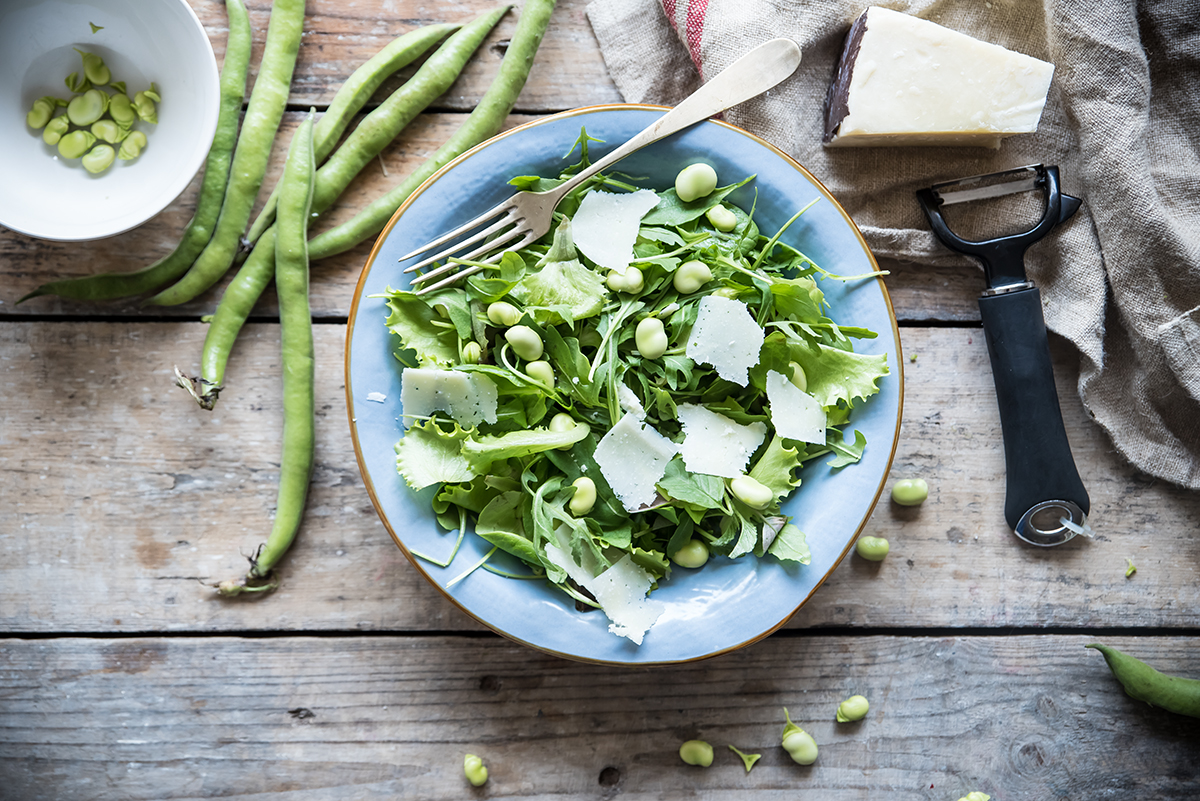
1121,280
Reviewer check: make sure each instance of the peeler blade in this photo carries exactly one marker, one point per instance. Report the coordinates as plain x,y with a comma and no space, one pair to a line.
996,184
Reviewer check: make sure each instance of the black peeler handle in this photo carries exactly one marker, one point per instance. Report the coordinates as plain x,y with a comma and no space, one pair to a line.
1037,454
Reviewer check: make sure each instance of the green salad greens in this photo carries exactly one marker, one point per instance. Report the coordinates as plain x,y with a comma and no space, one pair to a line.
538,382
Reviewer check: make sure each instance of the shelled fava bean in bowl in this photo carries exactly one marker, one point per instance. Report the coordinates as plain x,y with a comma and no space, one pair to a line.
602,413
154,54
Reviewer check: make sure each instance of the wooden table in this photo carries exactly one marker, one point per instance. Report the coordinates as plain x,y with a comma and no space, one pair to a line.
122,676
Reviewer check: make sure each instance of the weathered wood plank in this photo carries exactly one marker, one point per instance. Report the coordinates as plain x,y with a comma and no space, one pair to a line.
1020,718
339,36
918,293
120,496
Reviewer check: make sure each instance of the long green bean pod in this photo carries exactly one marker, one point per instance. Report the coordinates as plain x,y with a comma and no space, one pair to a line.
263,115
373,134
296,337
107,286
482,123
1172,693
352,96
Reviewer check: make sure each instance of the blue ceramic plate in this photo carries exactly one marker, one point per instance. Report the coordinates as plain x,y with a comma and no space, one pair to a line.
728,603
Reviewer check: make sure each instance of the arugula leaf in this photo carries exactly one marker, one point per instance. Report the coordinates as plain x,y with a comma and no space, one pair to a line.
707,492
846,454
673,211
790,545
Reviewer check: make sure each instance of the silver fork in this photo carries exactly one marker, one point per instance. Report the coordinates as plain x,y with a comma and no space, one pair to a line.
527,216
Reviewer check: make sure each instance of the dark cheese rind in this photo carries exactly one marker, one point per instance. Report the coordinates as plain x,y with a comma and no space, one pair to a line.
836,106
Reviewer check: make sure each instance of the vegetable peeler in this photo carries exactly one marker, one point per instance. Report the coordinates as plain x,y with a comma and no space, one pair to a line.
1045,501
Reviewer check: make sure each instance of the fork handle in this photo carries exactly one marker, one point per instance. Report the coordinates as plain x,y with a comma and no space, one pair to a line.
748,77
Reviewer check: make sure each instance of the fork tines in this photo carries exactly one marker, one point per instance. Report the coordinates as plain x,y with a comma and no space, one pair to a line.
492,236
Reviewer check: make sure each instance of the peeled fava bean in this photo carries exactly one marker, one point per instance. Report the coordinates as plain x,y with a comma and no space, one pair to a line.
43,109
143,104
475,771
721,218
99,159
75,144
88,107
94,68
695,181
873,549
584,499
799,744
853,708
56,129
690,276
692,554
120,108
132,147
910,491
651,338
109,131
696,752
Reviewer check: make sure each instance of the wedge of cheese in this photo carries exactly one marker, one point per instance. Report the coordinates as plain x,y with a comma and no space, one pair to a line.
907,81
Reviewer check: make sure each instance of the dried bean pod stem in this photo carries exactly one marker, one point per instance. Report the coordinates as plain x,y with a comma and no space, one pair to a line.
371,136
1172,693
296,335
352,96
263,115
108,286
484,122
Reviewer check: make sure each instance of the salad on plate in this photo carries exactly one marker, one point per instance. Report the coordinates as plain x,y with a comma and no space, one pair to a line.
632,394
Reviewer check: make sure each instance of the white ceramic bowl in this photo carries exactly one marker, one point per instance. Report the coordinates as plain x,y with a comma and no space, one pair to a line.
141,41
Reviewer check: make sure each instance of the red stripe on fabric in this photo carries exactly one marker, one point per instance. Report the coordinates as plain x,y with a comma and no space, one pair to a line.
695,30
669,10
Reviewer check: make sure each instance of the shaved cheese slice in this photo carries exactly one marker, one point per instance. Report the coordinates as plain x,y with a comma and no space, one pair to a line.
794,413
629,402
470,398
606,226
715,445
620,591
727,337
633,457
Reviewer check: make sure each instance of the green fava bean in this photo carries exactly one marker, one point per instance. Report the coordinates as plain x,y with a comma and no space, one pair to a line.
853,708
503,313
120,108
40,114
109,131
584,499
94,68
873,549
690,276
525,342
132,147
475,771
99,159
696,752
651,338
88,107
799,744
910,491
472,352
56,129
695,181
542,372
75,144
751,492
143,104
692,554
721,218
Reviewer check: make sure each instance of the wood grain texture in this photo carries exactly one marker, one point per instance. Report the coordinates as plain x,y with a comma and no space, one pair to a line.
120,497
343,718
339,35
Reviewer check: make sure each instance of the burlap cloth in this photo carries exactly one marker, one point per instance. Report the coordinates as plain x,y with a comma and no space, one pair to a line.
1121,280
